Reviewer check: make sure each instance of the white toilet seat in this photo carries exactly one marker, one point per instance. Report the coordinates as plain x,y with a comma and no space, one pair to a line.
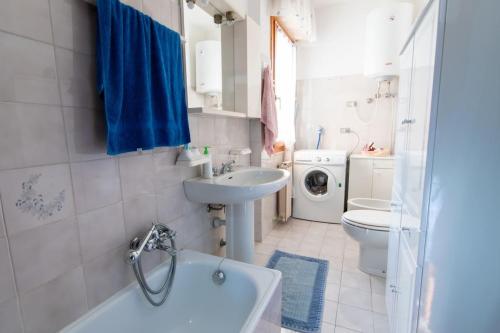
370,228
368,219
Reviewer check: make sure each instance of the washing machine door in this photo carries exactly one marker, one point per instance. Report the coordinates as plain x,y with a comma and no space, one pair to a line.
318,184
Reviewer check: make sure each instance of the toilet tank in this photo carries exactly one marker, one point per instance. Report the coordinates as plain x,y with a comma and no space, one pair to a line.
370,177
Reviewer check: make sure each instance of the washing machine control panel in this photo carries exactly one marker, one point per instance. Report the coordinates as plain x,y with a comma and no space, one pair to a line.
320,157
329,160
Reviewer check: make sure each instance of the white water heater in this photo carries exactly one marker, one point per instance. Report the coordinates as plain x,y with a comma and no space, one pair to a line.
209,67
387,28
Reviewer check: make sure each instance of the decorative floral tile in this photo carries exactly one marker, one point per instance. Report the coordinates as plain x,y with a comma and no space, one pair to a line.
36,204
35,196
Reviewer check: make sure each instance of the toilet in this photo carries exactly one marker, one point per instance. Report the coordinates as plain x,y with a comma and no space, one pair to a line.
370,228
369,203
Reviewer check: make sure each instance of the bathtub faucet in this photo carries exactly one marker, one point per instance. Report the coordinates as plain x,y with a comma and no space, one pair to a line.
157,238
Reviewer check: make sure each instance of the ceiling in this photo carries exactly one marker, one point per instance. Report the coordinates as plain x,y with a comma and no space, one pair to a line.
324,3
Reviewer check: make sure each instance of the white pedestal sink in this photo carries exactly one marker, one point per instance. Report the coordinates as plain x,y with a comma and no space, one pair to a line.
237,190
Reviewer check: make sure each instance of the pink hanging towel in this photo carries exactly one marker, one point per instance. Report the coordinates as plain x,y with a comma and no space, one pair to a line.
268,111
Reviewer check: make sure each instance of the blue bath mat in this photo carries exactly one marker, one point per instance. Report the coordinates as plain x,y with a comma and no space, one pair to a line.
304,281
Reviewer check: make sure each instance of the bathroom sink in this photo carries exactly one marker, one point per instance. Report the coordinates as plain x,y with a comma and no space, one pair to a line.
237,186
238,190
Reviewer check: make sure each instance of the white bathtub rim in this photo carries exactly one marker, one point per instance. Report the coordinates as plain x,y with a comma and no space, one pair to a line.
255,315
188,257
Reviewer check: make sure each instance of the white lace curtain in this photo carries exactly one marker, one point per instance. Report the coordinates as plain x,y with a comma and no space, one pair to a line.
285,84
298,17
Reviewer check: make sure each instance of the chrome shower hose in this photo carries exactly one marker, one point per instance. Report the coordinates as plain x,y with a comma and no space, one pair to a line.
167,284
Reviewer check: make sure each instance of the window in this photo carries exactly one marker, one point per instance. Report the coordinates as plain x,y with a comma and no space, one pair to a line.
283,53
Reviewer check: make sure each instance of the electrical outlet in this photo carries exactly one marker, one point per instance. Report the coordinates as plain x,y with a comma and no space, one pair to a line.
345,130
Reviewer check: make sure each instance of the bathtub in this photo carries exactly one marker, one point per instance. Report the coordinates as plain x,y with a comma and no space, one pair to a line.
369,203
248,301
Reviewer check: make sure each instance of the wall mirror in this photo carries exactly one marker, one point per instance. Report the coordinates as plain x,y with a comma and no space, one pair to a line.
208,52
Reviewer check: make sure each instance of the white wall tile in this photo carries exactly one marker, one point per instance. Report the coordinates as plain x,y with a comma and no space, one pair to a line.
239,132
255,130
139,214
44,253
10,317
28,18
74,25
322,102
193,130
96,183
206,131
107,274
7,286
27,71
222,129
86,133
2,222
77,78
137,175
159,10
171,203
137,4
21,128
175,19
67,302
52,183
166,172
101,230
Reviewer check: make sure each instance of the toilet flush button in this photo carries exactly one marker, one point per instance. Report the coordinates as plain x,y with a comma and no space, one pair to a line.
327,159
318,159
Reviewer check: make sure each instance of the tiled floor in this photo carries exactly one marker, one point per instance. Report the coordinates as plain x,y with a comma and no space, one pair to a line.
354,301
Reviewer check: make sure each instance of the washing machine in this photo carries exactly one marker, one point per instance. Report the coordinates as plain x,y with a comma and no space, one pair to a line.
319,185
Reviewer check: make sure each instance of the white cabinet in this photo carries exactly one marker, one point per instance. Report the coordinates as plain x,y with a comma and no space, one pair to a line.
247,67
414,107
392,276
382,183
370,177
404,289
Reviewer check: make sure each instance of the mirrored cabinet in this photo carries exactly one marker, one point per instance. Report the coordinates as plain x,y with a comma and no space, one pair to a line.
222,59
414,110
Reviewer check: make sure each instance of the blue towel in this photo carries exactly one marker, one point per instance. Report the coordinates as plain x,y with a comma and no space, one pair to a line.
140,77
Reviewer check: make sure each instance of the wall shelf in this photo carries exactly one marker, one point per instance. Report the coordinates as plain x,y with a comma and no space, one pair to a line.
194,162
216,112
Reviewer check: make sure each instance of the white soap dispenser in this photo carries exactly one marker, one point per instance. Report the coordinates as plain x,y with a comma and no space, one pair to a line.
207,172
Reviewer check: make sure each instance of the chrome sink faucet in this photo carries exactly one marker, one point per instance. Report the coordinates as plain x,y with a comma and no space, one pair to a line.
227,167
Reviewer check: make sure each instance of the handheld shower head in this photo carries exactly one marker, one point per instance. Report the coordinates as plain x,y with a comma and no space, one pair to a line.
320,132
